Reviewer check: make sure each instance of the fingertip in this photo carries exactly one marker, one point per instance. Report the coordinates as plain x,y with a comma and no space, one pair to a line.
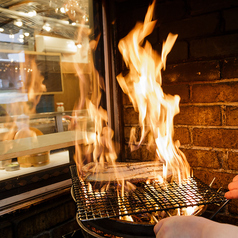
233,185
233,194
158,226
227,195
235,178
230,186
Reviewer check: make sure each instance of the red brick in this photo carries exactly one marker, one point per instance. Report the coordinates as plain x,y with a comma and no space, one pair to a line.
127,131
192,72
210,93
203,6
226,218
198,115
153,38
169,11
190,27
182,134
130,116
142,154
231,116
129,13
232,160
181,90
214,137
214,46
126,100
204,158
222,179
179,52
230,68
233,207
231,19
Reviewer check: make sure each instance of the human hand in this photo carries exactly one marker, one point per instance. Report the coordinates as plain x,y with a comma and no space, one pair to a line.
193,227
233,189
180,227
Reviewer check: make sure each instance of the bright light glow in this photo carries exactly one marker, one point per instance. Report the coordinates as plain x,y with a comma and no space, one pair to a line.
47,27
62,10
79,46
21,40
11,36
18,23
1,30
32,13
73,23
26,33
70,44
21,36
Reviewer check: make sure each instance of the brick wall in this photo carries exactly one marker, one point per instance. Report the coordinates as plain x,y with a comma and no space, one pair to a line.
202,69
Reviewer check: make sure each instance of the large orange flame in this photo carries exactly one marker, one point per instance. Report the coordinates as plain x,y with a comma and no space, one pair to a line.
143,86
99,149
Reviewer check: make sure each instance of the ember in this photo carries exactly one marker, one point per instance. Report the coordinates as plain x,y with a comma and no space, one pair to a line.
146,198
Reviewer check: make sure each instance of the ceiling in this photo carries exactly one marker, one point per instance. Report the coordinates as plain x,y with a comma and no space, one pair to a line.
62,17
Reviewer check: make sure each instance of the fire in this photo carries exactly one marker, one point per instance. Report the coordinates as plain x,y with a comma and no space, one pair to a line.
32,84
99,148
143,86
156,112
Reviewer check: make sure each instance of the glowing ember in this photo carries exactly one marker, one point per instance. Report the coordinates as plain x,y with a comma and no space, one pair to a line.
143,86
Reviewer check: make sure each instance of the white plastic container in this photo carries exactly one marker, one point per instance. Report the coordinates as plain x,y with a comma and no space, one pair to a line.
60,107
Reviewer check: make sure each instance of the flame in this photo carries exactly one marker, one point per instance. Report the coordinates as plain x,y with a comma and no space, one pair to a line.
156,110
32,84
121,202
143,86
98,149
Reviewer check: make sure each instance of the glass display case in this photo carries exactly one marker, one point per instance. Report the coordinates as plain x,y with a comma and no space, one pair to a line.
48,49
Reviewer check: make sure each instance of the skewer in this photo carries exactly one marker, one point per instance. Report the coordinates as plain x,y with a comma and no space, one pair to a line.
223,205
210,185
154,218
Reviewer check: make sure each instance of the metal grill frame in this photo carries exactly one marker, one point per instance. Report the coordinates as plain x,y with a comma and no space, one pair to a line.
146,198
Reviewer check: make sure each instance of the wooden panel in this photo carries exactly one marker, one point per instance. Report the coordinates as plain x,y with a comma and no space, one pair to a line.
71,94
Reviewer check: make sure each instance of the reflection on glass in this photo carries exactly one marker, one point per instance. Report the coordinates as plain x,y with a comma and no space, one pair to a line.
40,44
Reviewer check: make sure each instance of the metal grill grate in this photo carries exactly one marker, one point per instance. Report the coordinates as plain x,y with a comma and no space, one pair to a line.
93,204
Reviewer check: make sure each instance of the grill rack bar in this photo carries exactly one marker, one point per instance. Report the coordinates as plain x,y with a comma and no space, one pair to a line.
146,198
